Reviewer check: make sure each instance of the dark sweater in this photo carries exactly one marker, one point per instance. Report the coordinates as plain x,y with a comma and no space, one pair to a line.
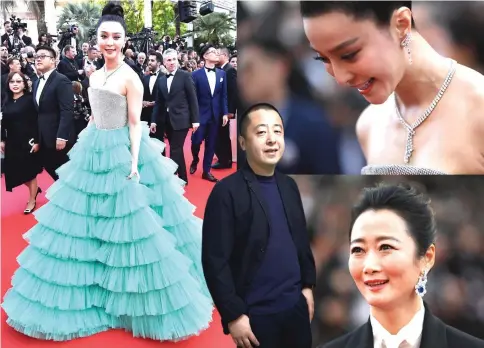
277,283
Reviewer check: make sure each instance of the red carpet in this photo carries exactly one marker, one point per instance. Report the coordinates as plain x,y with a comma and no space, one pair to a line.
14,224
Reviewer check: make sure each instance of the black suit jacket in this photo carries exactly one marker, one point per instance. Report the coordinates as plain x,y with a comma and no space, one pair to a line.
181,102
235,236
232,91
55,110
435,334
149,96
6,38
70,69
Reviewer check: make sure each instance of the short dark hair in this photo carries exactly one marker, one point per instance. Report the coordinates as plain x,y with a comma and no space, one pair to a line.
47,48
379,11
408,203
92,48
158,55
244,119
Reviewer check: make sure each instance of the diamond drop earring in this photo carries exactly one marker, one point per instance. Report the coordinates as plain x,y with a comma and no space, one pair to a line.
421,286
406,44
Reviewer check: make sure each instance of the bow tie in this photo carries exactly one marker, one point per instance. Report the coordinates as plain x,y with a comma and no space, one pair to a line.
42,77
169,75
153,74
210,69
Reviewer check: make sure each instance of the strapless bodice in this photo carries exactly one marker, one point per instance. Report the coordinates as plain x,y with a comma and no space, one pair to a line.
398,169
109,109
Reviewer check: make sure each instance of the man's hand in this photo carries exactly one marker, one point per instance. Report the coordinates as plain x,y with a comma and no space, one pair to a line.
225,120
195,126
60,144
152,127
308,294
241,332
231,116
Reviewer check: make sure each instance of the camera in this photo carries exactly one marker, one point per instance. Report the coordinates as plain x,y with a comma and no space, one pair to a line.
17,23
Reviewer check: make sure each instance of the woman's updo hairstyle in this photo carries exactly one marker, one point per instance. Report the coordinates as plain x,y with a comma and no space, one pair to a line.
112,13
407,202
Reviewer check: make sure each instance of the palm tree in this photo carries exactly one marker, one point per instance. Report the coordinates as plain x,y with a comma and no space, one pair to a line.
84,14
7,7
214,28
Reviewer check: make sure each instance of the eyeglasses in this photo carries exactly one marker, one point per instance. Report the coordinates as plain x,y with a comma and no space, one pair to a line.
41,56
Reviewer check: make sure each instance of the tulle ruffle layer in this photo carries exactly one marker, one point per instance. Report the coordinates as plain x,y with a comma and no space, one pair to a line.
108,252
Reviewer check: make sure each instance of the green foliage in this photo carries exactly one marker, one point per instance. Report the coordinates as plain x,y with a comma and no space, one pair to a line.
215,28
85,15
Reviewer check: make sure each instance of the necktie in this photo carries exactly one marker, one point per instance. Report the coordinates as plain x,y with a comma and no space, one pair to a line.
210,69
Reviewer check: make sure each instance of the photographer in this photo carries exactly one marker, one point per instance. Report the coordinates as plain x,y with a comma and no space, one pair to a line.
14,38
28,63
68,65
69,38
81,111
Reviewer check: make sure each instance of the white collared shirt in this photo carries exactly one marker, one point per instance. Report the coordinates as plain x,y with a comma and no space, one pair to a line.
211,76
153,81
408,337
42,84
169,80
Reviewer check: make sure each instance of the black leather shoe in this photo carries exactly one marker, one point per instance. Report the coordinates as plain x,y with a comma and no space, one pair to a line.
193,168
219,165
209,177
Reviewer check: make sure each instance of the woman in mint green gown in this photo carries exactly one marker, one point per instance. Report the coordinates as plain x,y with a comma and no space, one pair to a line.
117,245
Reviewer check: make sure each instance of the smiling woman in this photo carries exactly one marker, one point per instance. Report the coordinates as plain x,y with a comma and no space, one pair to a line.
392,249
416,95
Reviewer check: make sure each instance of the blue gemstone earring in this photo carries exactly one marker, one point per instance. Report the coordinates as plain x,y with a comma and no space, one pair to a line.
421,287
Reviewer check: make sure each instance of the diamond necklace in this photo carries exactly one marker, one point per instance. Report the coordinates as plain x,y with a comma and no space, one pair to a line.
108,75
411,128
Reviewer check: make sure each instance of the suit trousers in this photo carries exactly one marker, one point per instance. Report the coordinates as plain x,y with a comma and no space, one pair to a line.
207,132
223,148
176,139
51,159
288,329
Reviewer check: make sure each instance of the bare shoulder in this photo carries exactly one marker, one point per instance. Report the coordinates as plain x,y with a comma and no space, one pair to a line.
132,78
96,78
471,83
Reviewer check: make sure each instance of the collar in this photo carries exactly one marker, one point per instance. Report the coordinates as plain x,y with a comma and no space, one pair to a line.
412,332
173,73
47,74
223,65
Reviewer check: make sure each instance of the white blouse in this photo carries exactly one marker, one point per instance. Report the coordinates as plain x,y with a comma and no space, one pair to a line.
408,337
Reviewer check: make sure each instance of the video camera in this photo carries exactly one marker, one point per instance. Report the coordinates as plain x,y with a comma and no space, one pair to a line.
17,23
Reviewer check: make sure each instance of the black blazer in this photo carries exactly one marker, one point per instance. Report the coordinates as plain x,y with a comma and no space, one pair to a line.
70,69
235,236
435,334
181,101
149,96
232,91
56,110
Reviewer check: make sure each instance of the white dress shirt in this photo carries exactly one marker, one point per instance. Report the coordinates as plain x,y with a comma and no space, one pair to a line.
169,80
212,78
153,81
408,337
41,87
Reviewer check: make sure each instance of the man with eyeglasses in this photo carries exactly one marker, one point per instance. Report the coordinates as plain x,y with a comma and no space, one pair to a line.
54,100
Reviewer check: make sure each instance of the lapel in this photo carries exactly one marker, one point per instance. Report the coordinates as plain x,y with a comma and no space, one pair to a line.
47,83
362,337
164,87
34,92
158,78
253,184
175,81
434,332
218,84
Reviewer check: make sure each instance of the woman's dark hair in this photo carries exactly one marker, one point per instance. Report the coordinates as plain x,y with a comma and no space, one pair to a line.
112,13
379,11
9,93
405,201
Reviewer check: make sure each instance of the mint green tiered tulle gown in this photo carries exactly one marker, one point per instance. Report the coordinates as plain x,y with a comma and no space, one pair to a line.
108,252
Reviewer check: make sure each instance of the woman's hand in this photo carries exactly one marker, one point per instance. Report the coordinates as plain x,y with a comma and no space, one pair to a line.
134,173
35,148
2,147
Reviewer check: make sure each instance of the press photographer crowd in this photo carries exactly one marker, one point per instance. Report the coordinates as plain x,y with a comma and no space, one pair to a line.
44,89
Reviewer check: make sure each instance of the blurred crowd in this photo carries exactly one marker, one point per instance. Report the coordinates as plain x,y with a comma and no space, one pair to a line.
456,283
277,66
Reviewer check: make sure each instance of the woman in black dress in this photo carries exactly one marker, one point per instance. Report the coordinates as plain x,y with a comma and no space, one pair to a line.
20,138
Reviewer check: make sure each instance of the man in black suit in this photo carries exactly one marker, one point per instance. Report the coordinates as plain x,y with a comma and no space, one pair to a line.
8,37
256,255
68,65
155,60
223,148
176,109
54,100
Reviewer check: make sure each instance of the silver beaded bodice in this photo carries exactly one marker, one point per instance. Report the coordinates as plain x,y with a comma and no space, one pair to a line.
109,109
398,169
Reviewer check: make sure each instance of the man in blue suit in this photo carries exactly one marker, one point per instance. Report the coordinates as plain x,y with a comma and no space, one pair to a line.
211,86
